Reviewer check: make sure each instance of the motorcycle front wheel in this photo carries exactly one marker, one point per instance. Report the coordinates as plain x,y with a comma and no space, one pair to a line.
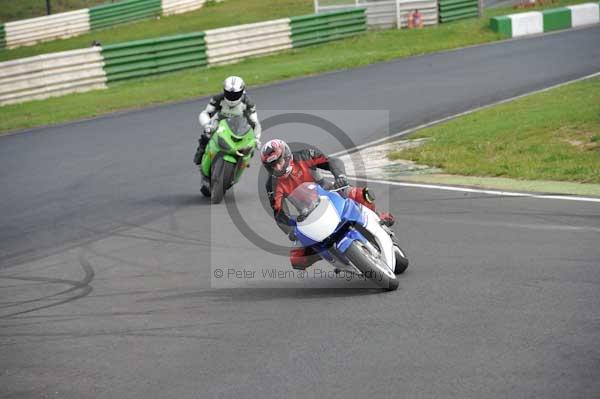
220,179
372,266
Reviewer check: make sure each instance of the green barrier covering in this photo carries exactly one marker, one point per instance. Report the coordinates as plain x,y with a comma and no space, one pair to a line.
2,36
111,14
320,28
502,25
452,10
150,57
556,19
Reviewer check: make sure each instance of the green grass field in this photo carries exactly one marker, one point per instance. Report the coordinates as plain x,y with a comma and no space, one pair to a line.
554,135
372,47
14,10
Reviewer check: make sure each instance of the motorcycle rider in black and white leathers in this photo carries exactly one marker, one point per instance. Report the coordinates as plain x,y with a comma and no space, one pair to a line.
232,102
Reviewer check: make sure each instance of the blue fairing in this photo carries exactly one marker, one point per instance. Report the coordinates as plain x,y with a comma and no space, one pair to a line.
349,212
304,240
353,235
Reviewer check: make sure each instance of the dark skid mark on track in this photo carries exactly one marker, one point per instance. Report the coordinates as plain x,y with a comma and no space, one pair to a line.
166,332
172,203
172,238
36,322
82,285
269,294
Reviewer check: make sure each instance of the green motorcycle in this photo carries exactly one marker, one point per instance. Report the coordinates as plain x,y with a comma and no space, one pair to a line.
227,155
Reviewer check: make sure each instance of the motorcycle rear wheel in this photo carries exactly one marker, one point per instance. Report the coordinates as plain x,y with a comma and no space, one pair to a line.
401,260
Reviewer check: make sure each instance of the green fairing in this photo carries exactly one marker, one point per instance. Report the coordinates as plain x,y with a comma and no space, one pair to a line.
235,143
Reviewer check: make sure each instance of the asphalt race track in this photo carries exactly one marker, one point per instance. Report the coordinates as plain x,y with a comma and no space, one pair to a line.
110,259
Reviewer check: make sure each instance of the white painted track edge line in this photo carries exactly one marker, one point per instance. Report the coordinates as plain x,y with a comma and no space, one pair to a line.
476,190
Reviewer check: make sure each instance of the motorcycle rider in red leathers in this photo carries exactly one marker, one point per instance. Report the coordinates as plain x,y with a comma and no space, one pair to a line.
288,170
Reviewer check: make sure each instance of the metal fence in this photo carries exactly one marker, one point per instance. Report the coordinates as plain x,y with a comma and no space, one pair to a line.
385,14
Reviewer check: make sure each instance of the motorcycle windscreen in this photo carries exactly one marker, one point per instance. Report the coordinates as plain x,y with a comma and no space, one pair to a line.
321,222
238,125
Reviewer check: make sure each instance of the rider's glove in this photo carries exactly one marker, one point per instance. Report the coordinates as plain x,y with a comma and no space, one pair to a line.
340,181
292,236
208,130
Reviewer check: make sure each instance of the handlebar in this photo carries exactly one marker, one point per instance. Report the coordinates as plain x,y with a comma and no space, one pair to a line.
340,188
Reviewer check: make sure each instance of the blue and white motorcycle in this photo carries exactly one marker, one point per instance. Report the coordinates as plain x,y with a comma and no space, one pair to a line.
346,234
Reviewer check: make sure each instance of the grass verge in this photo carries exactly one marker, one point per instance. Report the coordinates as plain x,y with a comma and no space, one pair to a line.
372,47
211,16
554,135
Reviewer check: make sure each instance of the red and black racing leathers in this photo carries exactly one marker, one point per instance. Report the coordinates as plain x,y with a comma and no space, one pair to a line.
304,164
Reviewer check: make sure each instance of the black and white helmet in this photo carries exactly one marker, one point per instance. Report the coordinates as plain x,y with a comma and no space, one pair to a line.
234,89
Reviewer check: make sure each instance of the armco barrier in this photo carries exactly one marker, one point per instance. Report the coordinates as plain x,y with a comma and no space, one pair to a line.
2,37
529,23
149,57
58,26
452,10
170,7
122,12
235,43
80,70
51,75
320,28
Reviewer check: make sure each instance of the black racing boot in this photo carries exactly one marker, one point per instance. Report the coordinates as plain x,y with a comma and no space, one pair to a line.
386,219
202,142
205,188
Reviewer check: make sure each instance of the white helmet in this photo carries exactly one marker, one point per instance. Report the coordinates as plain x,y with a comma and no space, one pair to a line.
234,89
